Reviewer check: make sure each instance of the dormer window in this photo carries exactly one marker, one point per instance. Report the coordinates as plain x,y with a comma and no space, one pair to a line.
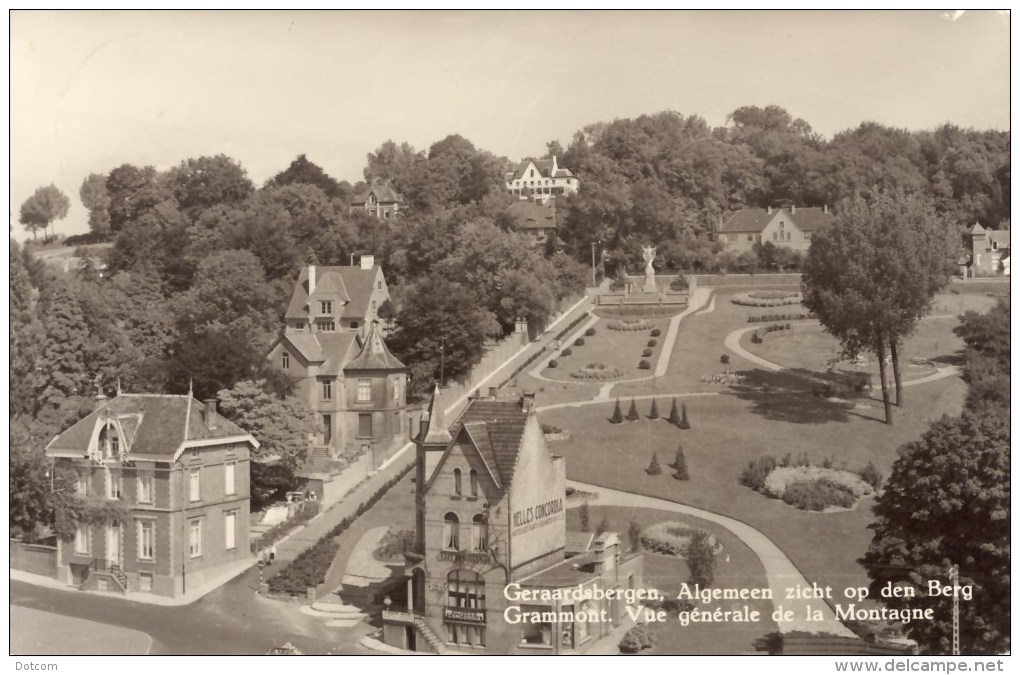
327,306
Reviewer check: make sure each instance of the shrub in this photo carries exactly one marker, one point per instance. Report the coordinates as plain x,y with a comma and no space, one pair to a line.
754,475
637,638
701,559
724,359
644,365
656,332
567,352
781,478
590,331
653,414
871,475
652,342
674,414
632,414
597,371
628,325
646,352
553,363
684,424
749,299
771,295
680,465
617,417
679,283
817,495
653,467
671,537
579,342
551,429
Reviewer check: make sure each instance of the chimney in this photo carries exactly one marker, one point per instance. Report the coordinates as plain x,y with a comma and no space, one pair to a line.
367,262
793,208
209,413
528,401
311,278
770,210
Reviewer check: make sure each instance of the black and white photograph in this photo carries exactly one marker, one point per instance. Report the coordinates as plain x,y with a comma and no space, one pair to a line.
676,333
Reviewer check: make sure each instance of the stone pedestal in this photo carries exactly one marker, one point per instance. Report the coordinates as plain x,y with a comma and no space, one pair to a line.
650,284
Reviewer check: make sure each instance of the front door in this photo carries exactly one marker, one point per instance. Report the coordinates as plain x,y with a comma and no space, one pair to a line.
113,544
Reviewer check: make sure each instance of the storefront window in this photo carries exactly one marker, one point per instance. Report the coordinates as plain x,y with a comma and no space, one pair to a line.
536,633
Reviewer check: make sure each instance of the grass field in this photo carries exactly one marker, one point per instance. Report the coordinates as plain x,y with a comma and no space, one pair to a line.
612,347
736,567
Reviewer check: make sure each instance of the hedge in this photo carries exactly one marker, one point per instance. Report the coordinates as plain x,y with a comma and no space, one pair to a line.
306,512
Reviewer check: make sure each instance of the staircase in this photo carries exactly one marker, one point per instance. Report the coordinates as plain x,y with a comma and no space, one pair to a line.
430,637
335,614
108,568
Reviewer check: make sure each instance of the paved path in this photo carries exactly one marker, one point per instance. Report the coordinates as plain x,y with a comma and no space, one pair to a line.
38,633
779,570
695,302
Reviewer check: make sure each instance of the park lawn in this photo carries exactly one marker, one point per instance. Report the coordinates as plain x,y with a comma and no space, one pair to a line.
621,349
963,298
737,567
731,430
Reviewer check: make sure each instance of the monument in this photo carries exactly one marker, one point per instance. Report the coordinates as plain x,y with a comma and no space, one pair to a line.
648,254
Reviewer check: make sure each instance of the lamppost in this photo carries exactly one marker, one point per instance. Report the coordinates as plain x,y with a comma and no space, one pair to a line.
442,361
593,281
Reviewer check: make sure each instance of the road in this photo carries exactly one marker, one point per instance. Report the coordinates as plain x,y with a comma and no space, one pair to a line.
231,620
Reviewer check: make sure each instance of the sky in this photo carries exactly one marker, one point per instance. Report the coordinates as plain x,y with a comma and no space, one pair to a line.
93,90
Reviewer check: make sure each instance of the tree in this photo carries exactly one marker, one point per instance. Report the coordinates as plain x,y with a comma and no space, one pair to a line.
603,526
653,414
95,198
634,535
198,184
26,334
30,497
947,501
303,171
44,206
617,417
680,465
674,414
701,560
872,273
653,467
987,369
585,517
684,424
632,414
133,191
283,427
64,372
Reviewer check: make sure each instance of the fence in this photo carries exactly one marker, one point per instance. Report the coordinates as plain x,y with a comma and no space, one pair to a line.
34,558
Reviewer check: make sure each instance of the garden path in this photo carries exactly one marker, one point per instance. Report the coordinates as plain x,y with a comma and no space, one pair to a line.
781,573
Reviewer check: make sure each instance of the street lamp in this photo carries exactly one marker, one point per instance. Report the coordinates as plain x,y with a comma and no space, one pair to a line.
442,361
594,282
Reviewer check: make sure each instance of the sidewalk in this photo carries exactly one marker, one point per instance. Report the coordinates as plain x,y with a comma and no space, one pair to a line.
191,596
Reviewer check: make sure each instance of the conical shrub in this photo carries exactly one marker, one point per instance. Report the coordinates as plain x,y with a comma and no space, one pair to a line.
617,417
632,414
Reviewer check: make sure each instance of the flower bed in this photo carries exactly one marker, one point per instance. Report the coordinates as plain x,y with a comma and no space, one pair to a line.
597,371
764,318
724,378
809,488
671,537
750,300
780,478
629,325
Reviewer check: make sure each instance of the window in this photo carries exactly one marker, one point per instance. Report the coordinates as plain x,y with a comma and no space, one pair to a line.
195,538
789,235
327,390
327,429
81,540
195,485
114,445
750,237
354,324
456,481
378,285
775,236
365,425
145,487
300,325
326,326
373,305
396,390
531,174
326,306
451,532
145,582
474,483
807,236
397,429
230,530
479,534
286,361
229,471
364,390
114,484
146,539
536,633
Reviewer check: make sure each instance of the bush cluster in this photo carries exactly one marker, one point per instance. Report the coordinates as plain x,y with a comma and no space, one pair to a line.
843,385
597,371
724,359
646,352
579,342
584,315
629,325
652,342
679,283
748,299
763,318
590,331
656,332
305,512
643,364
635,311
567,352
671,537
759,335
772,295
551,429
637,638
309,568
812,488
817,495
781,478
553,363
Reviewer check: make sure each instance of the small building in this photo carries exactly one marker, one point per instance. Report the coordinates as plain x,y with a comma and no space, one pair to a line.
791,227
535,218
333,350
379,200
179,473
537,177
491,544
989,252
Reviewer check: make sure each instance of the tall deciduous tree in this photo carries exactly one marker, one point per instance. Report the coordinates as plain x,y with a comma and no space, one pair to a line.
63,372
133,191
303,171
987,337
203,182
283,427
26,334
44,206
95,198
947,502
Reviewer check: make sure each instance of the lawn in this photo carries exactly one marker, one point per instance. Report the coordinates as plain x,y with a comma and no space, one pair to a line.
611,347
736,567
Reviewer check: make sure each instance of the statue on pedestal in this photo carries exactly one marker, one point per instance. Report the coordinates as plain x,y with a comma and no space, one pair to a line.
648,254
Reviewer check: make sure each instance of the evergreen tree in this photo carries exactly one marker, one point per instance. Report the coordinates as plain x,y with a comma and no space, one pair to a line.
653,414
617,417
653,468
701,560
585,517
674,414
63,371
684,424
634,534
632,414
26,335
680,465
603,526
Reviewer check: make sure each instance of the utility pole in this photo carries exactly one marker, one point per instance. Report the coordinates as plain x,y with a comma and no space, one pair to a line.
593,282
954,576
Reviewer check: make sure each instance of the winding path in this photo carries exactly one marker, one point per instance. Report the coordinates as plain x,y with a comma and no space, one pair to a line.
779,570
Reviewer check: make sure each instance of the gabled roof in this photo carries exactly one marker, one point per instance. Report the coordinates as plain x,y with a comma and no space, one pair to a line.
356,285
754,220
532,215
384,193
579,542
436,432
160,425
503,423
307,345
547,168
374,355
998,237
976,229
338,348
